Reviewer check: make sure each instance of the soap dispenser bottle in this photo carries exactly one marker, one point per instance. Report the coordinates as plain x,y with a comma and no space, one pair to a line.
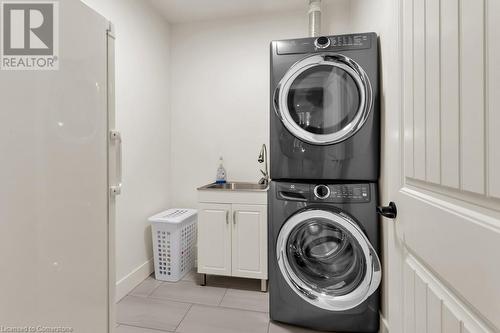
221,173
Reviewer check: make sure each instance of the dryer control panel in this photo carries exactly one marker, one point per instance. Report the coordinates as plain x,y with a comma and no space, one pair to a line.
339,193
326,43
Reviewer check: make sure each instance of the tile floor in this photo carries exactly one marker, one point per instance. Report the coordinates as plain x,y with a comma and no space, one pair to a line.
225,305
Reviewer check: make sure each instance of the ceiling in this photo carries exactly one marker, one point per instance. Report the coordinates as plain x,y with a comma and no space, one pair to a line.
178,11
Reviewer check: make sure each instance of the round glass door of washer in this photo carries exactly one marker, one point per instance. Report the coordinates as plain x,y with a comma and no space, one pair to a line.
327,260
324,99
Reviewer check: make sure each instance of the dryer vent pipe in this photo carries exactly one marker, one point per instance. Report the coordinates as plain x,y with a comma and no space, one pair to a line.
314,18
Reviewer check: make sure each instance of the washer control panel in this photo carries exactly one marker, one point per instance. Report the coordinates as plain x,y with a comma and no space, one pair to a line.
340,193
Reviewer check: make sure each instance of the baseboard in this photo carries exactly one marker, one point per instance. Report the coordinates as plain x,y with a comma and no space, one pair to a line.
133,279
384,325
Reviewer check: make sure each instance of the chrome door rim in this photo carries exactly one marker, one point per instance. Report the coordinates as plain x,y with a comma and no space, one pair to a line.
365,289
337,60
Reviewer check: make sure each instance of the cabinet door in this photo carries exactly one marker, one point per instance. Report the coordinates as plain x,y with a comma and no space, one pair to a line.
249,243
214,239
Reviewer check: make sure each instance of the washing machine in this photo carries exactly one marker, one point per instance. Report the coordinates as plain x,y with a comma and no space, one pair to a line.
325,121
324,267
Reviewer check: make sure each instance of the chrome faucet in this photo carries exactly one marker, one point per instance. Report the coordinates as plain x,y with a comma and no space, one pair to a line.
263,159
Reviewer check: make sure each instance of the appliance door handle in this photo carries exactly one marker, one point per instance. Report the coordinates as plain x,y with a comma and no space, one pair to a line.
227,217
116,137
234,217
292,196
376,273
276,106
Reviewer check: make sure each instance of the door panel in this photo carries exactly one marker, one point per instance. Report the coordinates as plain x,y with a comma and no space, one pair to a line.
449,212
451,324
457,244
408,297
407,78
471,25
448,103
434,304
493,97
419,89
432,105
420,305
214,239
431,307
54,192
450,91
249,241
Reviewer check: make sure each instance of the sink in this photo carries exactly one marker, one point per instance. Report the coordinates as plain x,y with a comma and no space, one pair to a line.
235,186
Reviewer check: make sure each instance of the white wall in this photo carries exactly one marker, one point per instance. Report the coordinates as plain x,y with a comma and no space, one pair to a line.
220,95
142,112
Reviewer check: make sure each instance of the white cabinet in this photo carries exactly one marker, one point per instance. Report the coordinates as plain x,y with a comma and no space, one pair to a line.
232,234
249,241
214,239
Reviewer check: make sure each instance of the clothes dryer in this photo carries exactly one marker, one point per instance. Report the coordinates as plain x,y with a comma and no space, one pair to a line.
325,108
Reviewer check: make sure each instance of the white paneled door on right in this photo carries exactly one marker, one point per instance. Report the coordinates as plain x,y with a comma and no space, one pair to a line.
448,196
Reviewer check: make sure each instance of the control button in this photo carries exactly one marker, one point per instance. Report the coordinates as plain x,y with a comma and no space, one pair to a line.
322,42
321,191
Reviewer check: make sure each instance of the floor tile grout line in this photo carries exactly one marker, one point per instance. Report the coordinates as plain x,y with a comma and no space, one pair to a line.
183,317
148,294
201,304
173,301
177,301
147,328
155,288
219,305
228,308
191,305
220,302
220,308
242,309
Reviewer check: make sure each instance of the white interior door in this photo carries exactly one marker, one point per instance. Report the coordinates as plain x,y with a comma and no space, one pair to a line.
54,184
448,158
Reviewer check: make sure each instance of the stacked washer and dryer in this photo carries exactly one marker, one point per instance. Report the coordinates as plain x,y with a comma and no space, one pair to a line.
324,267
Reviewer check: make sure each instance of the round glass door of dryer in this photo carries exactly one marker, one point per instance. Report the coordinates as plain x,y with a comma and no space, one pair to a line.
324,99
327,260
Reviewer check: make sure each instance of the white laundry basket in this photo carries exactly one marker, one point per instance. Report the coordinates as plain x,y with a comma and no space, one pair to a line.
174,240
